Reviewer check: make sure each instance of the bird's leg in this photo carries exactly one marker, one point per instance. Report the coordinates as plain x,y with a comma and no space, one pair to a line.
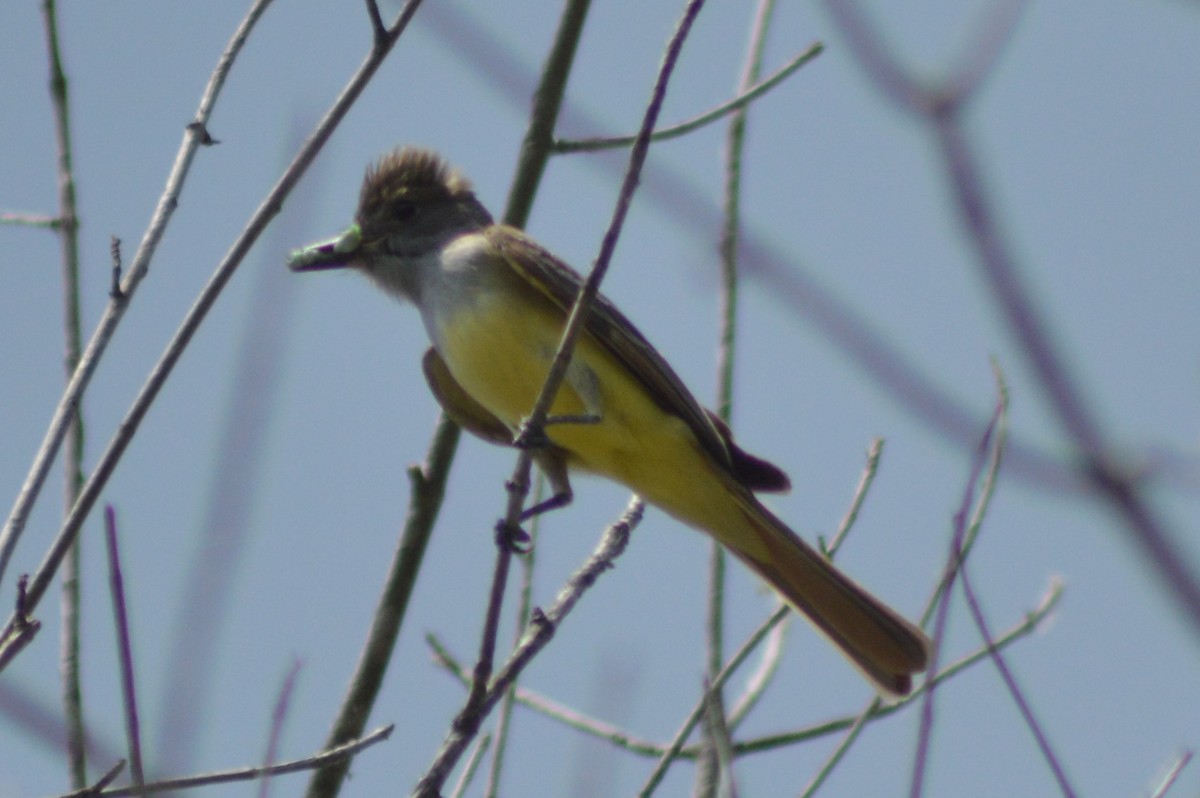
553,463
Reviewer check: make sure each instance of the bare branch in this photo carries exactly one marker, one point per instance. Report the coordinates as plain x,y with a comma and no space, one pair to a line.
378,29
428,490
68,236
738,103
874,452
877,709
468,773
19,219
619,737
72,396
21,628
689,723
337,754
257,223
1010,681
952,570
1172,774
537,635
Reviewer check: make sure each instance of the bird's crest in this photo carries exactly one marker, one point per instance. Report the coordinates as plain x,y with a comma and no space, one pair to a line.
408,172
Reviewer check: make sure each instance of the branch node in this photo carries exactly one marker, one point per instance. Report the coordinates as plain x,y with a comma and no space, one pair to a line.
378,29
115,292
541,624
512,538
201,131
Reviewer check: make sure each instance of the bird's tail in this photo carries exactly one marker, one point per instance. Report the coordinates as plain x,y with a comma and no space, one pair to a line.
887,648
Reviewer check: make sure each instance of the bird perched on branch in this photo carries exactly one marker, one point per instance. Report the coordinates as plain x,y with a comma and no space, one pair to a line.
494,303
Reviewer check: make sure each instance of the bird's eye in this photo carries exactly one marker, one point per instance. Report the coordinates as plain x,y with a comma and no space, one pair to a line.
404,210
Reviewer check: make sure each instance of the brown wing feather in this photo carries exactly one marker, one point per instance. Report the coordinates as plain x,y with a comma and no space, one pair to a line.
460,405
607,325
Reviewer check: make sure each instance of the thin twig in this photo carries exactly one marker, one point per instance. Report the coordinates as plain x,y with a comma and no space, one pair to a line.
204,302
986,492
278,716
68,236
637,745
124,649
689,723
973,603
717,781
114,250
953,570
108,778
472,764
537,635
874,452
378,29
468,719
1024,627
747,94
342,752
468,771
19,219
1171,775
21,629
550,708
982,51
937,601
756,685
524,614
1010,681
717,729
877,709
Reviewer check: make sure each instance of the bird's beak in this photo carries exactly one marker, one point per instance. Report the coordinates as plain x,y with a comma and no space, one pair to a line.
334,253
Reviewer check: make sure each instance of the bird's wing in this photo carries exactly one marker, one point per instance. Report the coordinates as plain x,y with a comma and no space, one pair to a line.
608,326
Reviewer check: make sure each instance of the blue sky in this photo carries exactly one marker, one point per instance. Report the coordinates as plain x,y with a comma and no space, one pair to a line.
1086,130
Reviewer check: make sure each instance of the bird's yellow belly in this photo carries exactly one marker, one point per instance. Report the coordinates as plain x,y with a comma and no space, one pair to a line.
500,352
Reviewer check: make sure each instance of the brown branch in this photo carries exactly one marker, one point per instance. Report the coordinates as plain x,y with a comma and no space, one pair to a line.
428,490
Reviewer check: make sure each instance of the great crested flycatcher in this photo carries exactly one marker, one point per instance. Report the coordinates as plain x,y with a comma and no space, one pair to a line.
494,303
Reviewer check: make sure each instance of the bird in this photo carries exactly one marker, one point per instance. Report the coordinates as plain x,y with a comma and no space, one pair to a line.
494,303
